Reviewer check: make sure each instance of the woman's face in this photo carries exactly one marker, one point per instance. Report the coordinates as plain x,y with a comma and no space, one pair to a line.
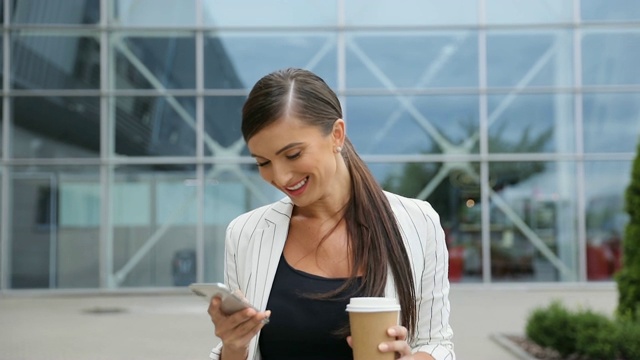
297,158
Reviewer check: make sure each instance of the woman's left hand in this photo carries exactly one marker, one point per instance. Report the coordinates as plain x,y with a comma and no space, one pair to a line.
400,345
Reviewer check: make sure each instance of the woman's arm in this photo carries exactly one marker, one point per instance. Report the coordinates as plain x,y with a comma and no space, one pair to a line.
433,333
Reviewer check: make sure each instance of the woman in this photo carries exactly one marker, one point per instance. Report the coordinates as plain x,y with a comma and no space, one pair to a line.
337,234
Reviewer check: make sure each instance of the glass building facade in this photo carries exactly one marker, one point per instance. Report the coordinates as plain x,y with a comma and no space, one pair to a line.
122,160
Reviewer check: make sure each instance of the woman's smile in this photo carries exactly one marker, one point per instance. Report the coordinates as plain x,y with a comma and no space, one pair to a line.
298,188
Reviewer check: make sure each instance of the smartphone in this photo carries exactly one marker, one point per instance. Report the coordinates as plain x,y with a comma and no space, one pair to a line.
230,301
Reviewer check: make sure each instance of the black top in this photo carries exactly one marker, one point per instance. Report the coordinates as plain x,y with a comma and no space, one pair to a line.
301,327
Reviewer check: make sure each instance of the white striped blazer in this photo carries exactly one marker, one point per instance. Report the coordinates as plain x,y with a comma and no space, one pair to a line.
255,241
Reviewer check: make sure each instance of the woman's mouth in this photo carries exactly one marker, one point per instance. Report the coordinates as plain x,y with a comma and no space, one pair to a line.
296,189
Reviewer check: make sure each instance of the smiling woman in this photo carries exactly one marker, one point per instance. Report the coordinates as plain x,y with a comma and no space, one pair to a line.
307,254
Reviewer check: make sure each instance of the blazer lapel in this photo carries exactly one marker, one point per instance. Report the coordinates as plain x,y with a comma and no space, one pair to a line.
269,246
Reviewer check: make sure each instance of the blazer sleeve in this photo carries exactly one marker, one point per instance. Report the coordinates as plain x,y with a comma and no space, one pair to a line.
433,333
230,272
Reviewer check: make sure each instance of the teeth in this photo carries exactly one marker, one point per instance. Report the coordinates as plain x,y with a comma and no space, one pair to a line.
298,185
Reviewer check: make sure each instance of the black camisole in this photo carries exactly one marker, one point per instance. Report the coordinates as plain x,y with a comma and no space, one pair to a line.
301,327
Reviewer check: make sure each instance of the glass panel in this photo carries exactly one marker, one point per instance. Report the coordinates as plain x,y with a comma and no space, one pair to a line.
160,13
56,127
611,58
531,123
1,124
454,192
413,124
428,60
606,217
238,60
223,117
605,10
533,231
55,219
529,11
523,59
257,13
55,12
155,126
611,122
159,62
411,12
55,62
230,190
154,225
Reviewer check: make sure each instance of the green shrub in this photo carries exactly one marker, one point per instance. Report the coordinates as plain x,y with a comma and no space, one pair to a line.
596,335
584,334
628,339
628,278
553,327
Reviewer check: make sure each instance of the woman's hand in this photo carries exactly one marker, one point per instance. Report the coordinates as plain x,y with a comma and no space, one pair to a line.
400,345
236,330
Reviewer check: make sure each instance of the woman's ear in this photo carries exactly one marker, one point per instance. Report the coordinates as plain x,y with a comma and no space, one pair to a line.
339,132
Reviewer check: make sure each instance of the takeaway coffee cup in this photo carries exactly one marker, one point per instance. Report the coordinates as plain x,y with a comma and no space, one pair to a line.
369,318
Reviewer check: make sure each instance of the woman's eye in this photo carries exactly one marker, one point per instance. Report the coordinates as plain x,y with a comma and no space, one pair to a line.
294,156
261,164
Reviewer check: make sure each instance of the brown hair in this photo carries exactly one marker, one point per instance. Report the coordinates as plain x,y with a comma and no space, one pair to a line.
376,245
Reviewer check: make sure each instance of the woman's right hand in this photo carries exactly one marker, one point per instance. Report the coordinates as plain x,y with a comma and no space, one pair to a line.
236,330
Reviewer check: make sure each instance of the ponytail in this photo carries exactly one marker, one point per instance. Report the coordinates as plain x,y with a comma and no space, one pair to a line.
375,239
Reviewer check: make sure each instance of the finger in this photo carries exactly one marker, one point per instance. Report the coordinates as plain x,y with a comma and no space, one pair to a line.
398,332
214,308
399,346
349,341
249,328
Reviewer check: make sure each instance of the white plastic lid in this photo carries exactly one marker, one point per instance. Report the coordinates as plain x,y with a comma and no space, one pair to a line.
372,304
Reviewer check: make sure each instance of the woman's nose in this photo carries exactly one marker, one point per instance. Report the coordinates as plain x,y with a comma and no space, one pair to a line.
281,176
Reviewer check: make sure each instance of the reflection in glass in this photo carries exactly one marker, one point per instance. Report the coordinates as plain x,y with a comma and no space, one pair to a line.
154,215
611,122
153,13
223,117
413,124
56,127
605,10
454,192
529,11
1,123
538,123
239,60
533,231
605,215
411,12
155,62
55,62
55,219
155,126
229,192
435,59
67,12
611,58
524,59
258,13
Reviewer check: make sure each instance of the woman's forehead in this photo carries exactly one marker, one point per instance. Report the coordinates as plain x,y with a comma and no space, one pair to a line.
283,131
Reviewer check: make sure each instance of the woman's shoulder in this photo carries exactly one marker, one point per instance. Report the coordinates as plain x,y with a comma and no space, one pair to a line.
281,207
410,206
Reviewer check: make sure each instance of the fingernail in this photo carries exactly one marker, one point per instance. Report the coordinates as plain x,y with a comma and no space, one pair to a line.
383,347
392,332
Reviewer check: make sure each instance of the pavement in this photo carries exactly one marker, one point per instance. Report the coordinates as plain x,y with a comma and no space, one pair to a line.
173,324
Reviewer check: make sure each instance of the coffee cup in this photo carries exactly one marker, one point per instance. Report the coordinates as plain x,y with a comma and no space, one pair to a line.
369,319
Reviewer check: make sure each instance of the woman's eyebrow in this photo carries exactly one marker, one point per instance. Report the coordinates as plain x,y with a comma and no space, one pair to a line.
287,147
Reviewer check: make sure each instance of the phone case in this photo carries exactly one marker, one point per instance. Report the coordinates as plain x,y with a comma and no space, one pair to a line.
230,302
